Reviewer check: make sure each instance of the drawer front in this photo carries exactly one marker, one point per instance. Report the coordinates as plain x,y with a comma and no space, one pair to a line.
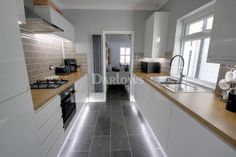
45,113
52,137
48,127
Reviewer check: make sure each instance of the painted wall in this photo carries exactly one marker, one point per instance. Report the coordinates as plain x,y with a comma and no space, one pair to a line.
115,42
177,9
88,22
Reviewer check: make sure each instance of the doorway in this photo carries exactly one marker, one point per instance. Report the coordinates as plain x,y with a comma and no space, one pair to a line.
118,59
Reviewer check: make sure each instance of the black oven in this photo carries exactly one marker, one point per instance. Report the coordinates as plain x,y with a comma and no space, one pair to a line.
68,105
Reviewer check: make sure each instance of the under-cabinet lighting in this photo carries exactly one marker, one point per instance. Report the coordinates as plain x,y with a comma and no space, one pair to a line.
19,22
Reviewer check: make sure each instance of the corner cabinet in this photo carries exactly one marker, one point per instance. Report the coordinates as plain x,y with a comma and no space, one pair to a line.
57,19
156,30
223,40
178,133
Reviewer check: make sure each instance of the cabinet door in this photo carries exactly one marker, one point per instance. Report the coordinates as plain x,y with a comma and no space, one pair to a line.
14,80
188,138
223,40
148,40
81,87
17,132
156,110
159,116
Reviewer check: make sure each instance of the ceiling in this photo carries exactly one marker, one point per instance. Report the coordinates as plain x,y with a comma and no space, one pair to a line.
111,4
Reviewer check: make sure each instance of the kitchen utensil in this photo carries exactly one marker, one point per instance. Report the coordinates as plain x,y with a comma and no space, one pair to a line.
231,103
224,85
229,76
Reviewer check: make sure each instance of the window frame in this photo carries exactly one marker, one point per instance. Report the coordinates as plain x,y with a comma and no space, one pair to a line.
125,55
183,26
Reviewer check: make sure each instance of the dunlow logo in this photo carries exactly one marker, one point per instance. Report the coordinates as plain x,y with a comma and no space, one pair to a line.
118,78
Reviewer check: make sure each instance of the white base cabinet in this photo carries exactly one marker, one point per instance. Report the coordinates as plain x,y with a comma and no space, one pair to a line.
187,137
178,133
81,87
156,110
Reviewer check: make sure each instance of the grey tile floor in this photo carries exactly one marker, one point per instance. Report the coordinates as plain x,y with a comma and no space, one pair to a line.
111,129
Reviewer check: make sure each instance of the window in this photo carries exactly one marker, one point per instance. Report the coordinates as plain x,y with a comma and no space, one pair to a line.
195,43
125,55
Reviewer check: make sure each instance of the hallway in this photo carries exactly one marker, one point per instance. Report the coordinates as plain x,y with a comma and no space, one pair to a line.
111,129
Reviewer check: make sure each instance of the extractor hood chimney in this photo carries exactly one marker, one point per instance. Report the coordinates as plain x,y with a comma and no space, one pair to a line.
36,24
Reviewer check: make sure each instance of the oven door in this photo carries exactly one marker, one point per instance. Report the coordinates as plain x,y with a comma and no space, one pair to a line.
68,106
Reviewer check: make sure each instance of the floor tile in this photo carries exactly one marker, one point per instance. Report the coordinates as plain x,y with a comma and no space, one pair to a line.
94,106
116,108
91,118
100,147
119,138
117,118
142,142
102,127
75,154
147,153
121,153
115,102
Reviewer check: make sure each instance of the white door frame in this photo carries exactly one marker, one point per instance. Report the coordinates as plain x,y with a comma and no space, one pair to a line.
104,33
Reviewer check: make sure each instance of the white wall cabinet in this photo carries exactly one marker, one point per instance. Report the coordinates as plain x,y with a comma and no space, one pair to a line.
20,11
189,138
17,132
12,61
156,29
57,19
223,39
178,133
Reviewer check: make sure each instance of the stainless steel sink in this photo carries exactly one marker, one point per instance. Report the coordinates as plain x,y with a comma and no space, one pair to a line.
173,85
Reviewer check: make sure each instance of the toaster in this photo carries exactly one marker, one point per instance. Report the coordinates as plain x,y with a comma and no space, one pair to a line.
62,70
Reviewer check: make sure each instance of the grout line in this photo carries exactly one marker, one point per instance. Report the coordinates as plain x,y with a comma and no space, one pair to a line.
127,132
94,132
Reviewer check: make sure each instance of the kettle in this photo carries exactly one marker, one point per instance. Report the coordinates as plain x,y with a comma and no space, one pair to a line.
231,103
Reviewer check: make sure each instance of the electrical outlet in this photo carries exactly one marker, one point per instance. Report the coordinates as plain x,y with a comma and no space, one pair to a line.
51,67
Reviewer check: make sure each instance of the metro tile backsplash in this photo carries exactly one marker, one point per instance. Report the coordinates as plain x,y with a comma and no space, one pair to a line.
39,55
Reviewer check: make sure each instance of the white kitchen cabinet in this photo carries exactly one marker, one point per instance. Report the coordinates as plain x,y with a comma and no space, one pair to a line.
178,133
187,137
49,125
57,19
223,39
156,110
156,29
81,87
14,80
20,11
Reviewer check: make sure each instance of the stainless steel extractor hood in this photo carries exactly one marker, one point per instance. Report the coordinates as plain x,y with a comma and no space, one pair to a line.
36,24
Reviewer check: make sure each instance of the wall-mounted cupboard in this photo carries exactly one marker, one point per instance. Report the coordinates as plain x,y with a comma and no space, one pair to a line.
156,29
57,19
223,40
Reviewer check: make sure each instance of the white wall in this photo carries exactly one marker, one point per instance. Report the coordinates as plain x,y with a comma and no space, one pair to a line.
115,42
177,9
88,22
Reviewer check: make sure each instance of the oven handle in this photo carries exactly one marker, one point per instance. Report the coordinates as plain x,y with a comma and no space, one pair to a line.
68,99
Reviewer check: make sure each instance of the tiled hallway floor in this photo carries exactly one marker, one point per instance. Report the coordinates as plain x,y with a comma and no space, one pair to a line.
111,129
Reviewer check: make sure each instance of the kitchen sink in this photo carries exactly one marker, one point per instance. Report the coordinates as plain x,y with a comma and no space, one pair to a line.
173,85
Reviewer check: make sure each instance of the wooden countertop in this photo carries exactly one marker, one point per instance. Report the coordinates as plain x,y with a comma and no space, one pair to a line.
42,96
206,108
